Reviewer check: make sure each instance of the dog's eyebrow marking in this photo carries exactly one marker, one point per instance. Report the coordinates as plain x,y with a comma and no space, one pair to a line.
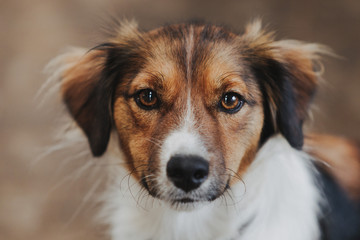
223,76
155,78
156,75
237,77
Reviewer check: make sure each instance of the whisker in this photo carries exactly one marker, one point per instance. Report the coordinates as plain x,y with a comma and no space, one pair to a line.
154,141
137,183
134,170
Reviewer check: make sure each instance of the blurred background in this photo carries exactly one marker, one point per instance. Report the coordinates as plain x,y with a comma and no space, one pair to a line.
35,200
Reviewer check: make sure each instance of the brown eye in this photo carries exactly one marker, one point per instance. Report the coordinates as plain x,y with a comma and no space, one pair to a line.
231,102
146,99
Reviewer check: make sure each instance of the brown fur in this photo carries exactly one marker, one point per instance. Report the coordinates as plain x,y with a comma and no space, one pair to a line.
80,79
276,79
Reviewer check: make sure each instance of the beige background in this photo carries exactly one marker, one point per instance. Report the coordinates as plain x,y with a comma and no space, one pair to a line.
35,200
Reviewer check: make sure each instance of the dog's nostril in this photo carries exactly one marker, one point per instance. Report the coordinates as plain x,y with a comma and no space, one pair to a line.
187,172
200,174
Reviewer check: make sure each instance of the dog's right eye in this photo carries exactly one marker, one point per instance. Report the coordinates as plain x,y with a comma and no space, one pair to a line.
146,99
231,102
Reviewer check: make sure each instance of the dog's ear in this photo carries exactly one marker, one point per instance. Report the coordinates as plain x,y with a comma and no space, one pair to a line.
286,72
87,96
89,79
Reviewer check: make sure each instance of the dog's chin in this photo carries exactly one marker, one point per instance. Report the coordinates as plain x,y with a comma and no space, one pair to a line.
184,203
187,204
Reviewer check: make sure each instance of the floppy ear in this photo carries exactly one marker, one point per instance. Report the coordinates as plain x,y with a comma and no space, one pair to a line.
89,78
88,97
286,74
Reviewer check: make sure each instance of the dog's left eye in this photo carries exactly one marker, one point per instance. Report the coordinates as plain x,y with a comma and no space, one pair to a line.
231,102
146,99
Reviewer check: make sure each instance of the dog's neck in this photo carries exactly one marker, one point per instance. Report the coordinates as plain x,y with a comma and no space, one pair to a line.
276,200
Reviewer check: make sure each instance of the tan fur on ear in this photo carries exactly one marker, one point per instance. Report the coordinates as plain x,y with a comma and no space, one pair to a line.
286,70
87,89
256,35
79,74
87,99
300,59
126,30
79,80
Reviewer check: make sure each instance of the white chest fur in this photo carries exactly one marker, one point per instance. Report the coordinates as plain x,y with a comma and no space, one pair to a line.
278,200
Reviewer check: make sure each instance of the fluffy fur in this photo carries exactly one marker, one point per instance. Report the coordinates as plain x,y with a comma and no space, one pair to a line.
251,210
237,102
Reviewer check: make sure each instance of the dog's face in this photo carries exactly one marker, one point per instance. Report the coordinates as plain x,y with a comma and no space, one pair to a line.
190,103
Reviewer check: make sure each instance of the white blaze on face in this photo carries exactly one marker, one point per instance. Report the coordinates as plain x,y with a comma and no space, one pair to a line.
185,140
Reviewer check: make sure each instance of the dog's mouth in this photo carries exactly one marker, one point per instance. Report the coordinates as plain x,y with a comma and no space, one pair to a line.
176,199
185,200
193,200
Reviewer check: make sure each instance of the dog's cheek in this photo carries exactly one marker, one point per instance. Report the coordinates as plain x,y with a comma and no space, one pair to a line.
134,132
241,139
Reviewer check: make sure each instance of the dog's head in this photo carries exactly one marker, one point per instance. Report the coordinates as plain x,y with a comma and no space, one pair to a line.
191,103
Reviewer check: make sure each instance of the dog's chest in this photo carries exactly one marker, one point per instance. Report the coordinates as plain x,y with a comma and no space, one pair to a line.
165,224
271,203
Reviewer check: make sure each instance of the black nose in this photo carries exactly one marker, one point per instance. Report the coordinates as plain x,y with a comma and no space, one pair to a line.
187,172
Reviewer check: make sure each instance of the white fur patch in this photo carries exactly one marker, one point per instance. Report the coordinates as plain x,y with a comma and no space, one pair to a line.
282,199
279,200
183,141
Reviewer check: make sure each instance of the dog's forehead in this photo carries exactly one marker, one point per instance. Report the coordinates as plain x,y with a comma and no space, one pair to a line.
193,54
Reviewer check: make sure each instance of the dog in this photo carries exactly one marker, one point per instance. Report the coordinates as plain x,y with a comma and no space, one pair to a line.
206,127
